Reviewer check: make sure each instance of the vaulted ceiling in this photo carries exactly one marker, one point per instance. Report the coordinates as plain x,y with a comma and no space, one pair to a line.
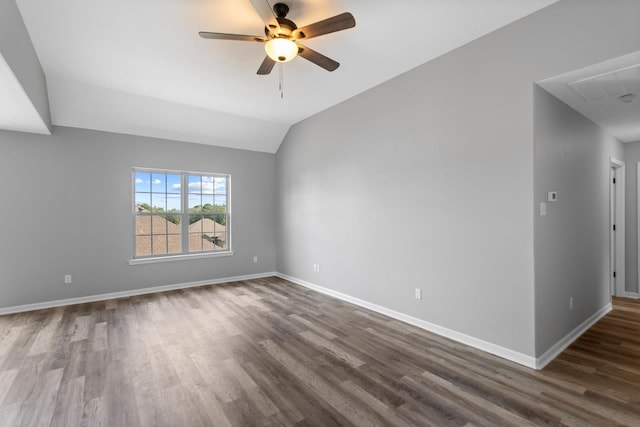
139,67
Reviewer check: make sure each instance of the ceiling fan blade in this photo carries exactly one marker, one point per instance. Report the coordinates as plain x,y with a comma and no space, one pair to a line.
317,58
266,66
267,14
224,36
326,26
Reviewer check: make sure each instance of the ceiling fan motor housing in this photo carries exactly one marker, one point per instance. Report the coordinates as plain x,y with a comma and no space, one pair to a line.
281,10
287,26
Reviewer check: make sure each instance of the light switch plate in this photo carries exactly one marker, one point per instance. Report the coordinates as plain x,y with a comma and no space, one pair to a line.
543,209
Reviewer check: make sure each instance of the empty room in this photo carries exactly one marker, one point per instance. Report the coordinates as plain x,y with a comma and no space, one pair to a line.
320,213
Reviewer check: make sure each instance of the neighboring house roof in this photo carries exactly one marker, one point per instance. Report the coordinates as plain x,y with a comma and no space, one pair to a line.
156,235
207,225
155,224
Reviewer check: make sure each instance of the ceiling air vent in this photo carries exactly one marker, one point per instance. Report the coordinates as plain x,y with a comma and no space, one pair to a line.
613,84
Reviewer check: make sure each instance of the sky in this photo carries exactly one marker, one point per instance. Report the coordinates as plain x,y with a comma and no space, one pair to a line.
162,190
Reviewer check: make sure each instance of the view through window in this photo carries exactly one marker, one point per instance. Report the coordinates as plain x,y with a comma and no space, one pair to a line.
180,213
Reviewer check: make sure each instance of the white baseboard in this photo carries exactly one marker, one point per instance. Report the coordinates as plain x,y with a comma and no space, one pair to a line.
133,292
517,357
633,295
505,353
565,342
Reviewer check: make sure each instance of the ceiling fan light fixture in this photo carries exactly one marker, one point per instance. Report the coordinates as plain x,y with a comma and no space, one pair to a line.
281,49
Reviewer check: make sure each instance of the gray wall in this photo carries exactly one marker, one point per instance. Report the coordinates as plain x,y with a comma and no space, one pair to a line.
631,158
18,51
66,208
427,180
572,241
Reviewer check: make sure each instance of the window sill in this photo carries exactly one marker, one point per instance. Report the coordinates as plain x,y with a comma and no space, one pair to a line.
138,261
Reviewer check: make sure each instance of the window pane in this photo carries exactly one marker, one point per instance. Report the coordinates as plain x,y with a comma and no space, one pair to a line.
207,185
159,182
221,203
158,225
195,202
174,202
207,202
220,239
208,244
159,244
143,200
173,183
175,243
195,242
195,225
158,202
143,245
143,225
142,181
220,185
194,184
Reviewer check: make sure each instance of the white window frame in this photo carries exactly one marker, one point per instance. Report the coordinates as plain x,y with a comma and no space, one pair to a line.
184,219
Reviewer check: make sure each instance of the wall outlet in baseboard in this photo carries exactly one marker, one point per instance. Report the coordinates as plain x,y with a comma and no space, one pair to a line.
316,268
418,293
68,279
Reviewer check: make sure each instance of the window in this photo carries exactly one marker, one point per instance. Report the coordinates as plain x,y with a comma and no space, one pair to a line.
180,213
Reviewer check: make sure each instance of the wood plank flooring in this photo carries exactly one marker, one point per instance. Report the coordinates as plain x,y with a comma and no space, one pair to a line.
269,353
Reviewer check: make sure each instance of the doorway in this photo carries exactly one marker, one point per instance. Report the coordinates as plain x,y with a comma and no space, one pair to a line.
616,227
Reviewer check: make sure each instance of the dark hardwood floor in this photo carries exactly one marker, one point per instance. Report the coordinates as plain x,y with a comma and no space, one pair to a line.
267,352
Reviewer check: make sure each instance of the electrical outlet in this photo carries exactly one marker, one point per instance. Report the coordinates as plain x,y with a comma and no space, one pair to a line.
255,258
418,293
318,269
571,303
67,279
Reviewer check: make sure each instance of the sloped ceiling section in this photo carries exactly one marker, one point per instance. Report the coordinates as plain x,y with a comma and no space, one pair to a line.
24,103
82,105
140,67
17,112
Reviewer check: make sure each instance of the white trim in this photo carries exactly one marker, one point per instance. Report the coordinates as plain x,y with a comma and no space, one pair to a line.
137,261
184,215
565,342
514,356
633,295
638,216
133,292
620,198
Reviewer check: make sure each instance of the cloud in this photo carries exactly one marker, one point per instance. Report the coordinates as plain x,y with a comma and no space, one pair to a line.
204,187
221,184
139,181
175,186
156,181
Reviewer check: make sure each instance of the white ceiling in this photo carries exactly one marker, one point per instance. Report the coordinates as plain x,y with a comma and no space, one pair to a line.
139,66
594,91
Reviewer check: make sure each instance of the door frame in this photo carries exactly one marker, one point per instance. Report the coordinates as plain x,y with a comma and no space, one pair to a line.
617,253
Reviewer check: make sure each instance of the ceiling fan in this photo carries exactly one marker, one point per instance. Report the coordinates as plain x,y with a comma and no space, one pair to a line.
282,36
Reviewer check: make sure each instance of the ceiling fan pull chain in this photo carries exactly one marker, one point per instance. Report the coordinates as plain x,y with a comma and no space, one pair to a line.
281,87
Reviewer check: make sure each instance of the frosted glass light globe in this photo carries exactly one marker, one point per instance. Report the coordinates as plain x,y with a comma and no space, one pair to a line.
281,50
